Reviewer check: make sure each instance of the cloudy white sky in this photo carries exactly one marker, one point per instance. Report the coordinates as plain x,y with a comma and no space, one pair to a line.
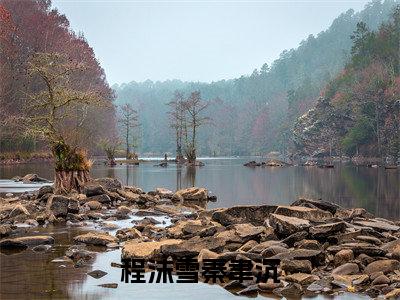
195,40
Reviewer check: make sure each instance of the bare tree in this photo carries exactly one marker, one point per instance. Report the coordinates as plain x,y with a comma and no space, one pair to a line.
54,103
178,122
194,107
129,120
110,147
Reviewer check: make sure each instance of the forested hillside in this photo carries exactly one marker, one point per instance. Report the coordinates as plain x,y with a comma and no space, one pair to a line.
359,111
255,113
31,29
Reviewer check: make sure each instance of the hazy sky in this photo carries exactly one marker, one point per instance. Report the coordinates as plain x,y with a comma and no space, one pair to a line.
195,40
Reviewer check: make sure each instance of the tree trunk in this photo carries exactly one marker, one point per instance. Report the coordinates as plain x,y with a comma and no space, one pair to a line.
68,181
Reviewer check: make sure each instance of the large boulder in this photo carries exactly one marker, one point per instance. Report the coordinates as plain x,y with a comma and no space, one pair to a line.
285,225
311,214
254,214
378,225
385,266
326,230
96,238
193,246
191,194
26,241
93,189
33,178
145,250
296,266
57,205
323,205
103,198
109,184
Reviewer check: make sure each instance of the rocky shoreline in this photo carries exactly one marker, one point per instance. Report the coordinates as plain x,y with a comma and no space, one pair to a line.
322,247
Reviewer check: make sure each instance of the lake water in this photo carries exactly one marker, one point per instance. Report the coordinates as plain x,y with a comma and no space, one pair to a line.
375,189
30,275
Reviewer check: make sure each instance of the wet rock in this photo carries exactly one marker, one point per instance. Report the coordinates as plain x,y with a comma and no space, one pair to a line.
285,225
325,230
291,290
349,214
73,206
94,205
252,164
5,230
273,250
95,238
343,256
250,290
322,285
296,266
97,274
308,244
103,198
145,250
128,234
323,205
109,226
269,286
248,231
395,294
77,252
359,248
316,257
92,189
128,195
26,241
306,213
109,184
164,193
33,178
382,279
254,214
41,248
146,199
386,266
206,254
124,210
18,209
346,269
109,285
47,189
193,246
369,239
295,237
189,194
248,245
301,278
264,245
57,205
378,225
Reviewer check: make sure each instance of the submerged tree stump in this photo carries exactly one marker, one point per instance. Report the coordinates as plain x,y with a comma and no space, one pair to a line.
67,181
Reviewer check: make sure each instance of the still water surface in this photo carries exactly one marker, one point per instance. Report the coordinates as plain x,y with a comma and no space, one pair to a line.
375,189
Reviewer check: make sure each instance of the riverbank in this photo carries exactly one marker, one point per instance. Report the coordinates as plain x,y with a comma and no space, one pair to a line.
322,247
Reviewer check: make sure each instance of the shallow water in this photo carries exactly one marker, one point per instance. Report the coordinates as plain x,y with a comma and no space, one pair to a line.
375,189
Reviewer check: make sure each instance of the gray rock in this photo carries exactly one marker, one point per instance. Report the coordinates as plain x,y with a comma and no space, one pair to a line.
97,274
285,225
296,266
346,269
254,214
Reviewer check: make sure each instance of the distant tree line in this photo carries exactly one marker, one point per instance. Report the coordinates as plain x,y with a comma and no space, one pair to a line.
255,114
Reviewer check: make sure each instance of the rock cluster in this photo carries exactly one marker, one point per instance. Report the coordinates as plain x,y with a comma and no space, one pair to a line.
322,247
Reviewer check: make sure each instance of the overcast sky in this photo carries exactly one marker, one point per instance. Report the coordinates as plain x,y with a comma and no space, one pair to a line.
195,40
